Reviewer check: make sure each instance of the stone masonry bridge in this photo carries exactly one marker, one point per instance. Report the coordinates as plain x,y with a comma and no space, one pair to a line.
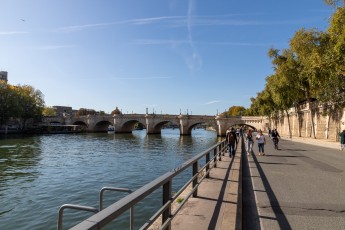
125,123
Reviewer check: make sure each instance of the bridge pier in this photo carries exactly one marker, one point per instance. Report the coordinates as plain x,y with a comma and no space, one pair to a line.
185,128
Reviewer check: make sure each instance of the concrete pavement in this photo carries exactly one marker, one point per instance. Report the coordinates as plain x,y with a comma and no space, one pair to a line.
219,201
299,186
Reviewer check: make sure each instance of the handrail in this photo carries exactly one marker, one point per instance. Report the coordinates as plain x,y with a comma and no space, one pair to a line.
73,206
113,211
131,216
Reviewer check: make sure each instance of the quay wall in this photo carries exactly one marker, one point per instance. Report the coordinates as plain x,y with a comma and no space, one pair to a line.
326,126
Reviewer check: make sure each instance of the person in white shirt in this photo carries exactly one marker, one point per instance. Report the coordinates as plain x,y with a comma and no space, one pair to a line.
261,142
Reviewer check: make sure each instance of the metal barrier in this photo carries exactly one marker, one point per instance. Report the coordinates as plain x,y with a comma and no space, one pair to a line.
73,206
95,210
104,217
131,217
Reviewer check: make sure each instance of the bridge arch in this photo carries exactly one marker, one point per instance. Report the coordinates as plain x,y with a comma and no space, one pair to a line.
157,127
82,123
102,126
128,126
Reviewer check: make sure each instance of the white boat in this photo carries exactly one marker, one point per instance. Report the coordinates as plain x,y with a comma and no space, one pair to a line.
111,129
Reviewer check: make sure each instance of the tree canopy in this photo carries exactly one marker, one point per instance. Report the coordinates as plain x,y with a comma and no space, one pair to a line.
21,101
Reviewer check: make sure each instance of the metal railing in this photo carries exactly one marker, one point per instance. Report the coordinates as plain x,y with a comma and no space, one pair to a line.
106,216
92,209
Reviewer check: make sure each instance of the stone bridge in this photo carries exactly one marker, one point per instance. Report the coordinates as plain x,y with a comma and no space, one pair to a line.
125,123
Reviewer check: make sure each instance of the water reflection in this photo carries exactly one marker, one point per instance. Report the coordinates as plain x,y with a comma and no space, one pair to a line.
18,160
39,174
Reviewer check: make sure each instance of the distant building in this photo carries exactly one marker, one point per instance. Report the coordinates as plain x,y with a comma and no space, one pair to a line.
3,76
63,110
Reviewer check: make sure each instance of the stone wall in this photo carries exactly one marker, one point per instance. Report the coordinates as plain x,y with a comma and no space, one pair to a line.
326,127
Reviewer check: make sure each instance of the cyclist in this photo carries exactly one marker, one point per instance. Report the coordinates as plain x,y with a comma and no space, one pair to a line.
275,135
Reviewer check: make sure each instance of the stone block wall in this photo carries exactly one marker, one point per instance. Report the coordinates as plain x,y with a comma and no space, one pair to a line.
326,127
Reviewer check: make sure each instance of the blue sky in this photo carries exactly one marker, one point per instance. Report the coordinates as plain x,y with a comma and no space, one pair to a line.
199,56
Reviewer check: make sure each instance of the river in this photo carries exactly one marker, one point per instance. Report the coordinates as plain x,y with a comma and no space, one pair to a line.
38,174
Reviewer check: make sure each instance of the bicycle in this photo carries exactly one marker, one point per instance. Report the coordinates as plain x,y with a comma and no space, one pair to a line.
275,141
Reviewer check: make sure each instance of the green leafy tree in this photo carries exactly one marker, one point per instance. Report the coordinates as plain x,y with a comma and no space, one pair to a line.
22,102
31,103
85,112
8,107
283,84
49,111
236,110
334,2
306,46
333,62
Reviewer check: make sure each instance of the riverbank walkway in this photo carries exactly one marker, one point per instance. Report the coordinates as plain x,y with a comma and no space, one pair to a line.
219,204
219,201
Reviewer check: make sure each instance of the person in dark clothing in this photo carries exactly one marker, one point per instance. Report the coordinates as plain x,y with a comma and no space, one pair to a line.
232,142
342,140
274,136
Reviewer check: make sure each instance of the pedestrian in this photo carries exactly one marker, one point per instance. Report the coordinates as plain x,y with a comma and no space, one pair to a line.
275,138
232,141
269,132
342,140
250,142
261,143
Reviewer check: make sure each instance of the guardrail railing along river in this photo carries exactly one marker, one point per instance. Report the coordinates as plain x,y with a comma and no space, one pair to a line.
107,215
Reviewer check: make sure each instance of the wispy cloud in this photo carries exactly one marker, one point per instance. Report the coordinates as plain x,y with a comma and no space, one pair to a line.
128,78
140,78
182,42
212,102
194,61
12,32
53,47
140,21
190,20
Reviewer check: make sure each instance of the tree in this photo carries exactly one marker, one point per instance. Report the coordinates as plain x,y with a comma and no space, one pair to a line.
283,84
31,103
85,112
333,60
7,101
306,46
49,111
334,2
236,111
22,102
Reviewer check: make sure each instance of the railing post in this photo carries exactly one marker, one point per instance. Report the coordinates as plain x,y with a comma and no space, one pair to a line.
166,198
220,152
195,181
73,206
207,164
215,157
131,216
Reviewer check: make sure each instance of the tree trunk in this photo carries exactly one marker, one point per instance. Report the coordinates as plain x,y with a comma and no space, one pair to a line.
312,119
288,118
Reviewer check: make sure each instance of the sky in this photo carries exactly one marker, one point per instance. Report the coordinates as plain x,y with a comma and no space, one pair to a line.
168,56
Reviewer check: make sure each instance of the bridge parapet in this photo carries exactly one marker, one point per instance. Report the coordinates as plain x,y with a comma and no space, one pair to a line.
125,123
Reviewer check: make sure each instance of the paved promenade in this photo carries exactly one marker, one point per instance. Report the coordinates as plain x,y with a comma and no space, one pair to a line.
218,204
300,186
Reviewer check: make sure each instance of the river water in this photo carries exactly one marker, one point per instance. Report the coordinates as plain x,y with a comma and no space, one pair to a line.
38,174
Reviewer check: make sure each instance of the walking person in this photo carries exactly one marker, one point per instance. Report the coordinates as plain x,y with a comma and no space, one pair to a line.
232,141
342,140
250,142
261,143
274,136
